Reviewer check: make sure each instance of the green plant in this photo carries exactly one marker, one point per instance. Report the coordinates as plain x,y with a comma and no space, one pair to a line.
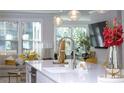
84,41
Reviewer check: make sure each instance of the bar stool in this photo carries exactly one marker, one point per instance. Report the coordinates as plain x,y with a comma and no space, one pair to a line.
16,73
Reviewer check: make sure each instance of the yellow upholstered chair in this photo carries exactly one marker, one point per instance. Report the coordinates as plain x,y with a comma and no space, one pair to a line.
92,57
92,60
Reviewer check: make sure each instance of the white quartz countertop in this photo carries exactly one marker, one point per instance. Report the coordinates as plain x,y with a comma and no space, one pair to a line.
73,76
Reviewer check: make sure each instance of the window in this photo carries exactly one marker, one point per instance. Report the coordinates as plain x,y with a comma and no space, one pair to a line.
74,32
31,36
8,36
14,35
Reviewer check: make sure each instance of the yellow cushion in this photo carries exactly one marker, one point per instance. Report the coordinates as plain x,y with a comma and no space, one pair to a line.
10,62
92,60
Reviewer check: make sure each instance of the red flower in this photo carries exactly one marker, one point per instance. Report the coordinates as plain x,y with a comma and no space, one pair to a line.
113,36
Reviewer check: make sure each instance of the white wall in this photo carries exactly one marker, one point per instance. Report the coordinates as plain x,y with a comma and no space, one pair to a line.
97,17
48,32
123,36
48,37
101,55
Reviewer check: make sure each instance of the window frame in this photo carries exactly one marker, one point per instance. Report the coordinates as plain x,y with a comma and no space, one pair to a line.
33,41
5,51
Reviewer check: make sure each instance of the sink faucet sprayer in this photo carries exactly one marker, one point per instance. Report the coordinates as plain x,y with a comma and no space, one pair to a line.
72,64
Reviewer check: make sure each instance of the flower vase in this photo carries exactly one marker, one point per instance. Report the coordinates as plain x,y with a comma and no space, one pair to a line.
113,68
113,58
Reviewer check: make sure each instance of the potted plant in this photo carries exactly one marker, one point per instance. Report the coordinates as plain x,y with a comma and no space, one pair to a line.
84,42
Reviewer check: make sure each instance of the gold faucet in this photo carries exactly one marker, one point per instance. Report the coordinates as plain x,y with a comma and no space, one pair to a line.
61,55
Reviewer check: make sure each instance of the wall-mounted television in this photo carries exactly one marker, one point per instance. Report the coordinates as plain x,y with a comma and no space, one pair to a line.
96,36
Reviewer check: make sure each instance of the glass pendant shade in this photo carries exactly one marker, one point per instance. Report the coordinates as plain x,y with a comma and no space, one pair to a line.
74,15
58,20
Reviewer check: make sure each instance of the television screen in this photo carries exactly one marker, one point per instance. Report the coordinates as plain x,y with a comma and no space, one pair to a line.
96,36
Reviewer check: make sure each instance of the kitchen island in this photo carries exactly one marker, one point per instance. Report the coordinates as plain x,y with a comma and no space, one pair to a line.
44,71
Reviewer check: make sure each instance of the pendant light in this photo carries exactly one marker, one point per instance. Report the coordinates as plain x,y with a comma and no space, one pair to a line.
74,15
58,20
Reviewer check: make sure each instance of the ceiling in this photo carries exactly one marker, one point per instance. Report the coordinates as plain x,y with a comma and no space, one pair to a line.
30,11
85,12
85,15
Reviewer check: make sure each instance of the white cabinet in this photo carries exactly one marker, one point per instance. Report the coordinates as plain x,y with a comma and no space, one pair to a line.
28,73
41,78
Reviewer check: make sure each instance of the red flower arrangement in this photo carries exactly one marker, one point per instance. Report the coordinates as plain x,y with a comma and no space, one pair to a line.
113,35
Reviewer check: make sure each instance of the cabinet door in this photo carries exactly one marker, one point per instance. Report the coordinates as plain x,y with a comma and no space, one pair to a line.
28,73
42,78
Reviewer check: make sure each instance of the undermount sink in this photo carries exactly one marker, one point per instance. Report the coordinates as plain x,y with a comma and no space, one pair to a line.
57,69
